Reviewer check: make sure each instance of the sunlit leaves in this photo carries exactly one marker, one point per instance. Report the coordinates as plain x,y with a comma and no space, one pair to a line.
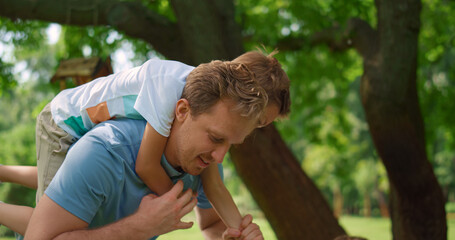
7,80
19,32
437,86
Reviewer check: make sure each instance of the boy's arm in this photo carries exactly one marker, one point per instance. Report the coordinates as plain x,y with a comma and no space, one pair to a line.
213,228
148,160
220,198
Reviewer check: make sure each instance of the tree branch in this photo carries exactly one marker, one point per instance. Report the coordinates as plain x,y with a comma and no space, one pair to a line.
131,18
291,43
358,34
209,28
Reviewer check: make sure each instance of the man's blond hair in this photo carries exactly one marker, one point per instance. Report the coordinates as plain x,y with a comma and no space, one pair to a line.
211,82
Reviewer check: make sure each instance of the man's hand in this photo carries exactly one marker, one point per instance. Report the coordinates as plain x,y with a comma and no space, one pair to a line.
163,214
155,216
250,231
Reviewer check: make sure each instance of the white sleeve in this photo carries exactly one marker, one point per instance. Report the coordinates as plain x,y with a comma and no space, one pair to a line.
162,87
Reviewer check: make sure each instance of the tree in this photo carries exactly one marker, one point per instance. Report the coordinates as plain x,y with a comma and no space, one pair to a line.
390,100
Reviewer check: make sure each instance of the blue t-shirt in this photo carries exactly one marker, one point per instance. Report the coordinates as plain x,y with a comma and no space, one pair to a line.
97,181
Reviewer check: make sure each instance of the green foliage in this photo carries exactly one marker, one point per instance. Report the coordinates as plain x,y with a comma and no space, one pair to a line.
326,128
7,81
437,87
162,7
20,33
19,109
17,142
88,41
25,33
267,21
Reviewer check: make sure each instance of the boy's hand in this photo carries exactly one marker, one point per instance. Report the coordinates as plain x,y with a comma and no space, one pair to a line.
250,231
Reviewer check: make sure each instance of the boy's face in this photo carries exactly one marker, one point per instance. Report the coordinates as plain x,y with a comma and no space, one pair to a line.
272,111
197,142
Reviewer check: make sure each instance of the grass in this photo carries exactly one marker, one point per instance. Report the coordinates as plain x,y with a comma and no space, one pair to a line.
370,228
379,228
194,233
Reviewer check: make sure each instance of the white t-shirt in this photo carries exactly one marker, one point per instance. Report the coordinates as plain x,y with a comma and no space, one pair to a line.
148,92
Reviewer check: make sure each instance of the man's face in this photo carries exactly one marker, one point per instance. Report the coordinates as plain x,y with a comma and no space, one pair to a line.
196,142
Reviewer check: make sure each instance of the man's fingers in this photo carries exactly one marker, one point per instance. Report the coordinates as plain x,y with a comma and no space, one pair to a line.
149,197
185,197
176,189
188,208
184,225
152,196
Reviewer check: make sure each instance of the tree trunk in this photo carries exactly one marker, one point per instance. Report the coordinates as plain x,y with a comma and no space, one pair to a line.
337,202
383,207
391,104
366,204
291,202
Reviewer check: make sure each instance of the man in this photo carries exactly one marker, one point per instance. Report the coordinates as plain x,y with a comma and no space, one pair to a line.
51,220
96,193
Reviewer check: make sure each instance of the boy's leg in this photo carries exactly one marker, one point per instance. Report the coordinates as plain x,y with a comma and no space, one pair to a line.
52,144
15,217
23,175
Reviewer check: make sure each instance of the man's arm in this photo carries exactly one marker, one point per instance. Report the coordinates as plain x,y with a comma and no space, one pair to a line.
155,216
213,228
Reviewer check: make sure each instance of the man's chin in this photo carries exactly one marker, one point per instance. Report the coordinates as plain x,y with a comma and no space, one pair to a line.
194,171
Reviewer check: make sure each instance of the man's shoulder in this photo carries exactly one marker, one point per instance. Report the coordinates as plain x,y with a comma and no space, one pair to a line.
122,131
115,142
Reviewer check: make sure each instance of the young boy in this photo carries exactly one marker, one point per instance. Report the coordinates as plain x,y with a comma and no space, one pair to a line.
150,92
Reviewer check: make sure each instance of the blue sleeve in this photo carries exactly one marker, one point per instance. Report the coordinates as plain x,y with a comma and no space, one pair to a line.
85,179
202,201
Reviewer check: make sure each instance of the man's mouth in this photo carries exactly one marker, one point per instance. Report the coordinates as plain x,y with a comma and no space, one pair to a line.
203,163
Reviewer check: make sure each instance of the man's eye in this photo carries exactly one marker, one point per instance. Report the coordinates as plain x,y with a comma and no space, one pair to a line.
216,140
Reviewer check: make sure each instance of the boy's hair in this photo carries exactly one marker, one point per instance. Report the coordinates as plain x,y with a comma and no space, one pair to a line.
270,76
210,82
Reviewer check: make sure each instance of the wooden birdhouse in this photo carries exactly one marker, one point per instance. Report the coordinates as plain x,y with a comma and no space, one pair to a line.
81,70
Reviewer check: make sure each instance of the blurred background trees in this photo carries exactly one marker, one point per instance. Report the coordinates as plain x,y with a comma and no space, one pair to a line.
327,131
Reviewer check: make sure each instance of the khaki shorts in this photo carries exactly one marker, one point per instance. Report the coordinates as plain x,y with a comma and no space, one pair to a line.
52,144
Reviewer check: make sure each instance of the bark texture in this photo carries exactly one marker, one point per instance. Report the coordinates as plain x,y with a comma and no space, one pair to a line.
291,202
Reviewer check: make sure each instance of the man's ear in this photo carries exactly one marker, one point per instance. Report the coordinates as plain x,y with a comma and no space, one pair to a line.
182,109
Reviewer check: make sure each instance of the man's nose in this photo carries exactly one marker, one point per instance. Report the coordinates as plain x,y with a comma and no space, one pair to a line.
219,153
